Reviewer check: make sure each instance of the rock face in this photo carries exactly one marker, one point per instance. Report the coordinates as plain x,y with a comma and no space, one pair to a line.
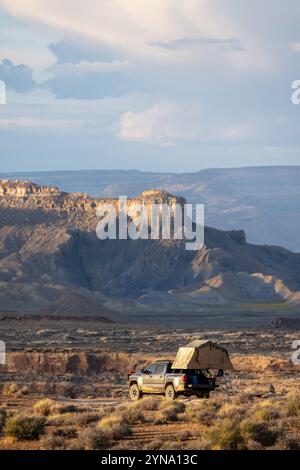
263,201
76,209
25,189
49,249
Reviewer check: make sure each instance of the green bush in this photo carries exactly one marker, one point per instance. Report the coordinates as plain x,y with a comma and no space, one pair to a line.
226,435
25,427
259,432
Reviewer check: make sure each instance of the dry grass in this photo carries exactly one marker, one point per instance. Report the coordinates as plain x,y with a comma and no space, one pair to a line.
10,388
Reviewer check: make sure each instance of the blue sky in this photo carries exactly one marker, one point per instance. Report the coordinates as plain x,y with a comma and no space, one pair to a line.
166,85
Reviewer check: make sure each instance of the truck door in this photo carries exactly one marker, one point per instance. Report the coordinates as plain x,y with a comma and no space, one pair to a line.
159,377
148,378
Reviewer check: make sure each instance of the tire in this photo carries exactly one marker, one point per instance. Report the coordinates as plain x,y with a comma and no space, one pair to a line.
170,392
134,392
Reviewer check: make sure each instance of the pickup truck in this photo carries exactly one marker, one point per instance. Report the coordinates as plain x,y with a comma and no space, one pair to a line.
160,378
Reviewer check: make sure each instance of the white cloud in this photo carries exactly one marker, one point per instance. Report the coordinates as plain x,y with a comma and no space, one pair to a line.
132,26
155,125
167,123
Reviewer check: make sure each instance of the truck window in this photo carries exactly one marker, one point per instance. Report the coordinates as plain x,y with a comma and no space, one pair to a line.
151,369
161,369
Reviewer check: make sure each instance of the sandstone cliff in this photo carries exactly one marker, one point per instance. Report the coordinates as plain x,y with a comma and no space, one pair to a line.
49,249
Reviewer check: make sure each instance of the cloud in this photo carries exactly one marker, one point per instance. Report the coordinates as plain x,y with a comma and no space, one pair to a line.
155,125
83,68
166,124
87,69
17,77
129,27
230,44
295,46
75,48
86,80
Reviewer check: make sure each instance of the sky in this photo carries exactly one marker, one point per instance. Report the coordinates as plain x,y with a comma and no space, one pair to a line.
160,85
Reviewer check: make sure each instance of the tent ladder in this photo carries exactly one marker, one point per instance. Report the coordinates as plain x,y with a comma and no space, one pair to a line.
228,384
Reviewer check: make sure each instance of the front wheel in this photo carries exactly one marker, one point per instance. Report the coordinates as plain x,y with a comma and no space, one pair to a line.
135,393
170,392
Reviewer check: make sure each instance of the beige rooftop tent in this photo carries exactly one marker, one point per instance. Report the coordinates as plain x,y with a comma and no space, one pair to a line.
202,355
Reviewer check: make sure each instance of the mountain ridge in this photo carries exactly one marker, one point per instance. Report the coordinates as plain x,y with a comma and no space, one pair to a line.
262,200
44,260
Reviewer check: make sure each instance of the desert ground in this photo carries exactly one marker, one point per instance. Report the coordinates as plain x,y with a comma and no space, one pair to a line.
64,387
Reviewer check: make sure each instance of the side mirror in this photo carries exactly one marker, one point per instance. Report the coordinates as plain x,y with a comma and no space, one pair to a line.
142,371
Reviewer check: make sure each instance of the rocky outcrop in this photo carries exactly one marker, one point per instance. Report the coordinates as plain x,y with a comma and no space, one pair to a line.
26,189
75,209
49,249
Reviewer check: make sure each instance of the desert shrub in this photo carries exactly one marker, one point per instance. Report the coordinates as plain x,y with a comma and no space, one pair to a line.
68,433
148,404
259,432
202,443
226,435
64,409
205,412
59,420
205,417
293,404
155,444
24,390
10,388
266,414
25,427
3,415
53,442
166,415
131,414
243,398
177,406
232,411
94,438
168,411
45,407
286,443
82,419
115,427
254,445
183,436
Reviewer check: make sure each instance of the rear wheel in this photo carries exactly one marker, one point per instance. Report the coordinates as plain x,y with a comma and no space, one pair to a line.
135,393
170,392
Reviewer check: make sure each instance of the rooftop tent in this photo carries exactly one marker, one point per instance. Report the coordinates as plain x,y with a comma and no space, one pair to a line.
202,355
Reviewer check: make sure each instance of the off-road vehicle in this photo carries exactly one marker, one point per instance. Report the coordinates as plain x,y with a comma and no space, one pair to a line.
160,378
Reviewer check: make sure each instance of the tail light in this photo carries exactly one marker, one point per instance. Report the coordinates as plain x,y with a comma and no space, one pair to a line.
184,378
